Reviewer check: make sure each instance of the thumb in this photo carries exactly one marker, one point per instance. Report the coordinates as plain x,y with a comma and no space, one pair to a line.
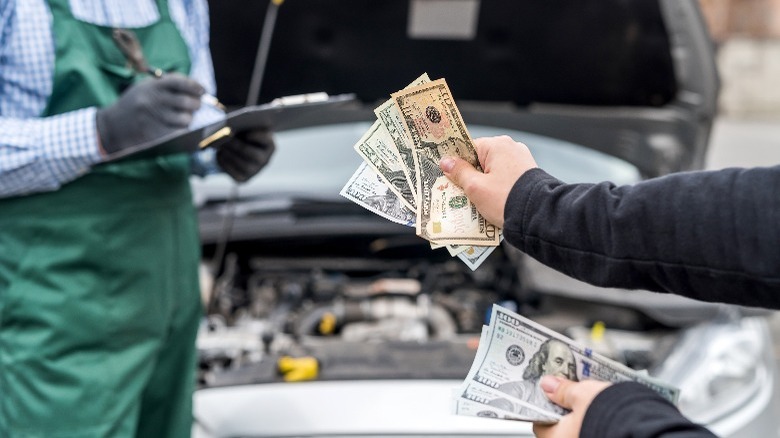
569,394
459,171
560,391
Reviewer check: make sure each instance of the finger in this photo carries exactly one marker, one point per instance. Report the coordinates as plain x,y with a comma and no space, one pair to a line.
180,102
543,430
175,110
460,172
242,160
171,117
245,152
233,148
558,390
232,165
257,145
260,157
503,152
483,145
571,395
233,169
260,138
184,103
180,84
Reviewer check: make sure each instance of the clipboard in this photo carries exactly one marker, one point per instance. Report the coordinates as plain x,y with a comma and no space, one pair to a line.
276,116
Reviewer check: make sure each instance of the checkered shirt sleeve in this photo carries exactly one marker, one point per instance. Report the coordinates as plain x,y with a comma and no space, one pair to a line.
42,153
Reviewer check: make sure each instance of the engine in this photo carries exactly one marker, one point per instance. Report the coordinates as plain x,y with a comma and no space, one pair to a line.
399,310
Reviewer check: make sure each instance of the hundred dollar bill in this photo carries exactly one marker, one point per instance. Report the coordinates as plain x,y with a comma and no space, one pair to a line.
388,115
378,150
473,256
444,213
456,249
452,249
367,189
520,409
474,391
518,352
469,408
484,336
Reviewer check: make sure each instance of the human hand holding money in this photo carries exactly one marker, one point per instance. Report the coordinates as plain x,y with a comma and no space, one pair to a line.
434,124
504,161
414,129
576,396
515,353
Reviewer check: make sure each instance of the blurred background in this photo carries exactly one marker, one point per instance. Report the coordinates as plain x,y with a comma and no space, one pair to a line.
747,130
747,34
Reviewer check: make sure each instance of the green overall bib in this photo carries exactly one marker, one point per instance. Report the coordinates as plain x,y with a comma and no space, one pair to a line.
99,300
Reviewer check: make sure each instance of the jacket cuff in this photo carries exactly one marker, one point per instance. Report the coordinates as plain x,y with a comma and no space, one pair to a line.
632,410
518,204
605,407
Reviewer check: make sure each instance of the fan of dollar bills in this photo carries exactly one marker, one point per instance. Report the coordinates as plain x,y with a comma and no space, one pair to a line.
514,352
400,179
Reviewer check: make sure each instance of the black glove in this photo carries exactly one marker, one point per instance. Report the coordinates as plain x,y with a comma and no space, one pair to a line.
245,154
148,110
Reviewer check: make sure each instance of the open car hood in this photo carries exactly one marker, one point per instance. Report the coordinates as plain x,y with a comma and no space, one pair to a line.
635,79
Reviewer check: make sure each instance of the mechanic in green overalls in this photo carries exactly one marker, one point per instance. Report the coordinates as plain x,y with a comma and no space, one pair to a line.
99,295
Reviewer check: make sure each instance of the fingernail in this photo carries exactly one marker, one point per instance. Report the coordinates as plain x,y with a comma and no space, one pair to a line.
446,163
549,383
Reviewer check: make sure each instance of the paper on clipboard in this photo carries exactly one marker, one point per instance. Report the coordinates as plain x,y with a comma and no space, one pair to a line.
276,116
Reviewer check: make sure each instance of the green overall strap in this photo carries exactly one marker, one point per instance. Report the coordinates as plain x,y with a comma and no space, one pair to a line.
99,300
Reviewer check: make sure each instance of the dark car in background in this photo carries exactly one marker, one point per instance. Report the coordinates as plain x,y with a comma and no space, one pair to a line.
618,90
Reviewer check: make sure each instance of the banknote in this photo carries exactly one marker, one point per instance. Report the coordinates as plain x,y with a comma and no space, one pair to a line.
519,409
475,391
473,256
469,408
518,352
514,352
388,118
452,249
388,150
434,124
388,115
377,149
457,249
367,189
400,186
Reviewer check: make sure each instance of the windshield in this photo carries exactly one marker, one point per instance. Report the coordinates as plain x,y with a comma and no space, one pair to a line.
316,162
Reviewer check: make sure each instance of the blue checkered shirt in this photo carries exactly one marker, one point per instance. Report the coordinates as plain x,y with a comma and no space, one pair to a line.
40,154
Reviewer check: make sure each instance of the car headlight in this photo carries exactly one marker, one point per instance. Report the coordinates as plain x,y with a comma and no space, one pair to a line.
721,368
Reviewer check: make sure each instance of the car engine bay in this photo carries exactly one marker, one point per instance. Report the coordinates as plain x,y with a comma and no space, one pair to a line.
384,307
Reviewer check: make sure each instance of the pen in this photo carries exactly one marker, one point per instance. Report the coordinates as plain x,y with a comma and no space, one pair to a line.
211,100
131,48
205,97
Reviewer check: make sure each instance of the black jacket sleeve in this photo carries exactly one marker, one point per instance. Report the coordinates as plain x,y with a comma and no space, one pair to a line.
631,410
708,235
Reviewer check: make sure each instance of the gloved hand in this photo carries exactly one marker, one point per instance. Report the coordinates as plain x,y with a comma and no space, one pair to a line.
148,110
244,155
